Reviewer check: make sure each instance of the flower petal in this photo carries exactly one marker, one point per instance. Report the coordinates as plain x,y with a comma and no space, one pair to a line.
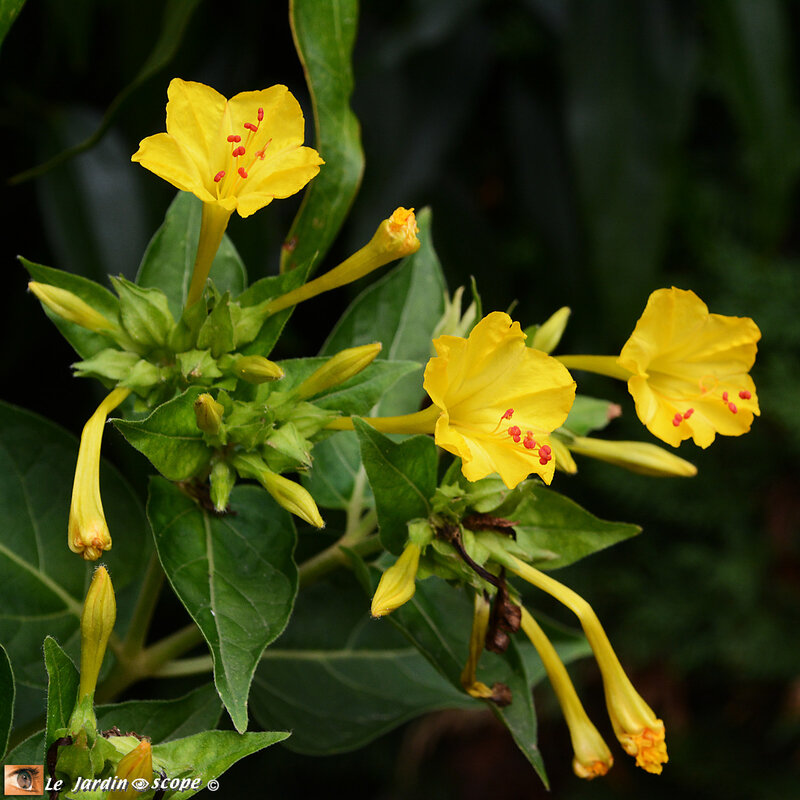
162,155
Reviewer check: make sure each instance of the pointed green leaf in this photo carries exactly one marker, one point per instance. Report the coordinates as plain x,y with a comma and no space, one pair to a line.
324,34
9,11
29,751
403,480
170,438
62,687
168,262
44,583
7,696
85,342
144,314
207,755
234,574
216,333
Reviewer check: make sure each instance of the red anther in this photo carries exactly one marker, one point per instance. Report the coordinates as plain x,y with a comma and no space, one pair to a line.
725,396
508,414
260,154
529,444
688,413
545,450
239,151
234,138
732,407
676,422
745,395
219,176
242,172
543,460
251,127
514,431
260,114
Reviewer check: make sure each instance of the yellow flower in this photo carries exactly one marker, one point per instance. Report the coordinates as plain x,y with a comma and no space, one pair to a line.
494,402
235,155
88,531
687,369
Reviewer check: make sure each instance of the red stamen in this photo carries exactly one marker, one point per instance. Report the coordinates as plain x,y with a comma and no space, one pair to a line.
260,154
545,450
688,413
732,407
242,172
529,444
745,395
260,114
219,176
508,414
234,138
514,431
251,127
239,151
543,460
725,396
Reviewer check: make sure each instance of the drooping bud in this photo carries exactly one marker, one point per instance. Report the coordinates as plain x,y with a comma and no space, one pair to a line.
549,334
209,414
396,237
222,480
88,531
71,307
398,583
343,366
288,494
135,766
641,457
257,369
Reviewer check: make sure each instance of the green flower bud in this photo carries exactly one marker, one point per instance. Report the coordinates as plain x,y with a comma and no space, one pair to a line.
209,414
343,366
257,369
137,764
222,481
70,307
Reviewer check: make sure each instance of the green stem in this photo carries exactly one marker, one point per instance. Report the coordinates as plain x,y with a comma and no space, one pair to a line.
333,557
186,666
420,422
145,607
601,365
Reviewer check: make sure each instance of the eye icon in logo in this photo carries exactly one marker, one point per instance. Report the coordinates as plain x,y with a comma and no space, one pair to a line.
23,779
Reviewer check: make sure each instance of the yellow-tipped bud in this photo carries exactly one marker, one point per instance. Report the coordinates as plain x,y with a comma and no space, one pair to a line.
549,334
592,756
642,457
97,622
396,237
288,494
88,531
257,369
70,307
138,764
398,583
209,414
343,366
564,460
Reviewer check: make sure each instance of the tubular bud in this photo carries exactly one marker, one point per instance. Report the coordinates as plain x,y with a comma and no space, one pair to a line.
71,308
88,532
343,366
549,334
136,764
257,369
477,638
396,237
292,496
397,584
642,457
222,480
209,414
564,460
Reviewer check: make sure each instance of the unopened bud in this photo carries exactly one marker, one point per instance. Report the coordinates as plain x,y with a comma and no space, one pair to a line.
343,366
396,237
398,583
70,307
257,369
549,334
288,494
564,460
135,766
641,457
222,481
209,414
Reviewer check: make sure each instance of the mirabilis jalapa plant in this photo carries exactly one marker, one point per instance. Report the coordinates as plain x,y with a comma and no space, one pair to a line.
450,493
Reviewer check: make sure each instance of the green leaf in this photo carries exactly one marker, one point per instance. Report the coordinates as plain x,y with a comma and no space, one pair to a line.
216,333
144,313
177,14
234,574
62,687
45,584
324,34
553,531
338,679
207,755
164,720
337,461
402,477
170,438
7,696
9,11
168,262
29,751
590,414
85,342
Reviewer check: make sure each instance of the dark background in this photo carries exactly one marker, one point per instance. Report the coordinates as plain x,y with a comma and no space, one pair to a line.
573,153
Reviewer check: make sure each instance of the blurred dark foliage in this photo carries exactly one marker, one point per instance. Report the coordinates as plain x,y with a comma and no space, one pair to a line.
573,153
